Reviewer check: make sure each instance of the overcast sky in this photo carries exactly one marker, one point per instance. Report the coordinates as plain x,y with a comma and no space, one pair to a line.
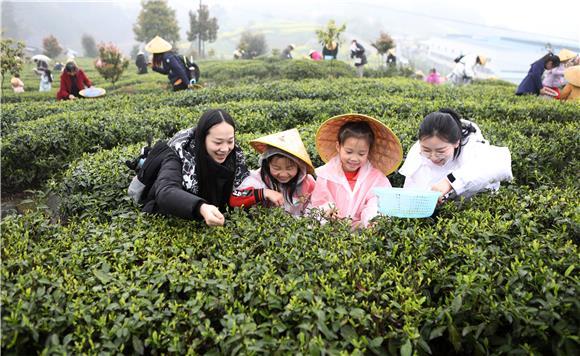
552,18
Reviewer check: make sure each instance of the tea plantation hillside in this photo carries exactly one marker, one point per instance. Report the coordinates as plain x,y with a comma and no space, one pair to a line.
494,275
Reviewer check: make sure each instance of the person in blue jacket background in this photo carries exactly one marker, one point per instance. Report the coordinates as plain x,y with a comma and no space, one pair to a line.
169,63
532,83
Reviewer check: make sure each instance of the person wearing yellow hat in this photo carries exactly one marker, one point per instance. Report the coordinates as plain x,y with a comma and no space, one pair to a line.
572,90
452,157
285,175
359,152
167,62
568,58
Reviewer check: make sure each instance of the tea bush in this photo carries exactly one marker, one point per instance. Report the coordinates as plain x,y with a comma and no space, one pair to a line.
493,275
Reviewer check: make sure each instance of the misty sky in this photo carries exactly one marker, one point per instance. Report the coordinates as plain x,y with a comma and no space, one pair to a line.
552,18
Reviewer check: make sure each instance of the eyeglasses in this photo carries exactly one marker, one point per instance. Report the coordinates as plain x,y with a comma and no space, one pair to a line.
438,155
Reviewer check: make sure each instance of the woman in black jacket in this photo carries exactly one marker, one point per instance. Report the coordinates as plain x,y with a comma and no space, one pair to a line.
199,171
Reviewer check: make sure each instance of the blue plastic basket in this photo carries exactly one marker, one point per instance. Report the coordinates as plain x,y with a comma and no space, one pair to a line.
406,203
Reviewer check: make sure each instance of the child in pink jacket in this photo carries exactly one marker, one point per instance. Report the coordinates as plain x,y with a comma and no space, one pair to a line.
284,178
360,152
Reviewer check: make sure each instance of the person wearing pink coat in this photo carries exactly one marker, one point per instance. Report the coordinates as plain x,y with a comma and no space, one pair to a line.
433,77
360,152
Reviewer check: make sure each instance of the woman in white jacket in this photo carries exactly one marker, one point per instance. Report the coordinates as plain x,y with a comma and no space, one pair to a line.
452,157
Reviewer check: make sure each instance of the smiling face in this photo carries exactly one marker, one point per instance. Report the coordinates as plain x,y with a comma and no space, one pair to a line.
219,141
437,150
283,169
353,153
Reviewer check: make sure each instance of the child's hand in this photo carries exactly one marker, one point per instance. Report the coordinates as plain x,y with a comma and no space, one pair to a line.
332,214
274,197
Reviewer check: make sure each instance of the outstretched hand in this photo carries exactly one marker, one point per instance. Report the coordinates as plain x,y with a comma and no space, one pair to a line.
274,197
211,215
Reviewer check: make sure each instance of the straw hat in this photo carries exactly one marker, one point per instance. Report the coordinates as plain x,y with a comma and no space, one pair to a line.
566,54
288,141
387,152
572,75
158,45
482,59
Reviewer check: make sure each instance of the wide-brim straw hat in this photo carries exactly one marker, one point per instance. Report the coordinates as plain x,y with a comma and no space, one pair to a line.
158,45
565,54
92,92
386,154
288,141
572,75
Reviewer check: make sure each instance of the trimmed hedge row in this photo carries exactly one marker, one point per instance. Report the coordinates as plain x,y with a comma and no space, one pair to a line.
496,277
41,148
492,100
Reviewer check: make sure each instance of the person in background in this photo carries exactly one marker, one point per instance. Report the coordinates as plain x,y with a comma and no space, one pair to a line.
433,77
330,51
466,69
452,157
532,82
359,152
568,57
284,178
391,58
42,70
167,62
141,63
72,81
58,67
357,52
315,55
571,92
17,83
287,52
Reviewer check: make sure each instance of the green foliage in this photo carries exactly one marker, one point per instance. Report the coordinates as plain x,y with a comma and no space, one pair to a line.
156,18
252,44
111,62
12,53
331,33
384,43
89,46
493,275
202,27
51,46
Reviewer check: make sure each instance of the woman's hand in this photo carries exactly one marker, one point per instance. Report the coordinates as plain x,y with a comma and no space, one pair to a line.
548,91
211,215
274,197
332,213
443,186
71,97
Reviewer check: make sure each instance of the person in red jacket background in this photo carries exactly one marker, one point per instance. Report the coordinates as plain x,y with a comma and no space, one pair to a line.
72,81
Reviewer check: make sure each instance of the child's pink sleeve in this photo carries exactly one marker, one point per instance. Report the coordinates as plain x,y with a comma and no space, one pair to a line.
321,197
371,207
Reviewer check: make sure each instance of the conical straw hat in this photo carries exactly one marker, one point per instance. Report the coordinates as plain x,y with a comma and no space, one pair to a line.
386,154
565,54
288,141
158,45
572,75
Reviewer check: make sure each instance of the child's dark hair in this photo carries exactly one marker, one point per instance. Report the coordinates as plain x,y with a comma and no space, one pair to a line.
446,124
358,129
290,186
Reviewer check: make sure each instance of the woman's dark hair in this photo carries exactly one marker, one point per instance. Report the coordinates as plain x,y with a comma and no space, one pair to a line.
157,59
290,186
446,124
358,129
551,57
70,67
208,120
